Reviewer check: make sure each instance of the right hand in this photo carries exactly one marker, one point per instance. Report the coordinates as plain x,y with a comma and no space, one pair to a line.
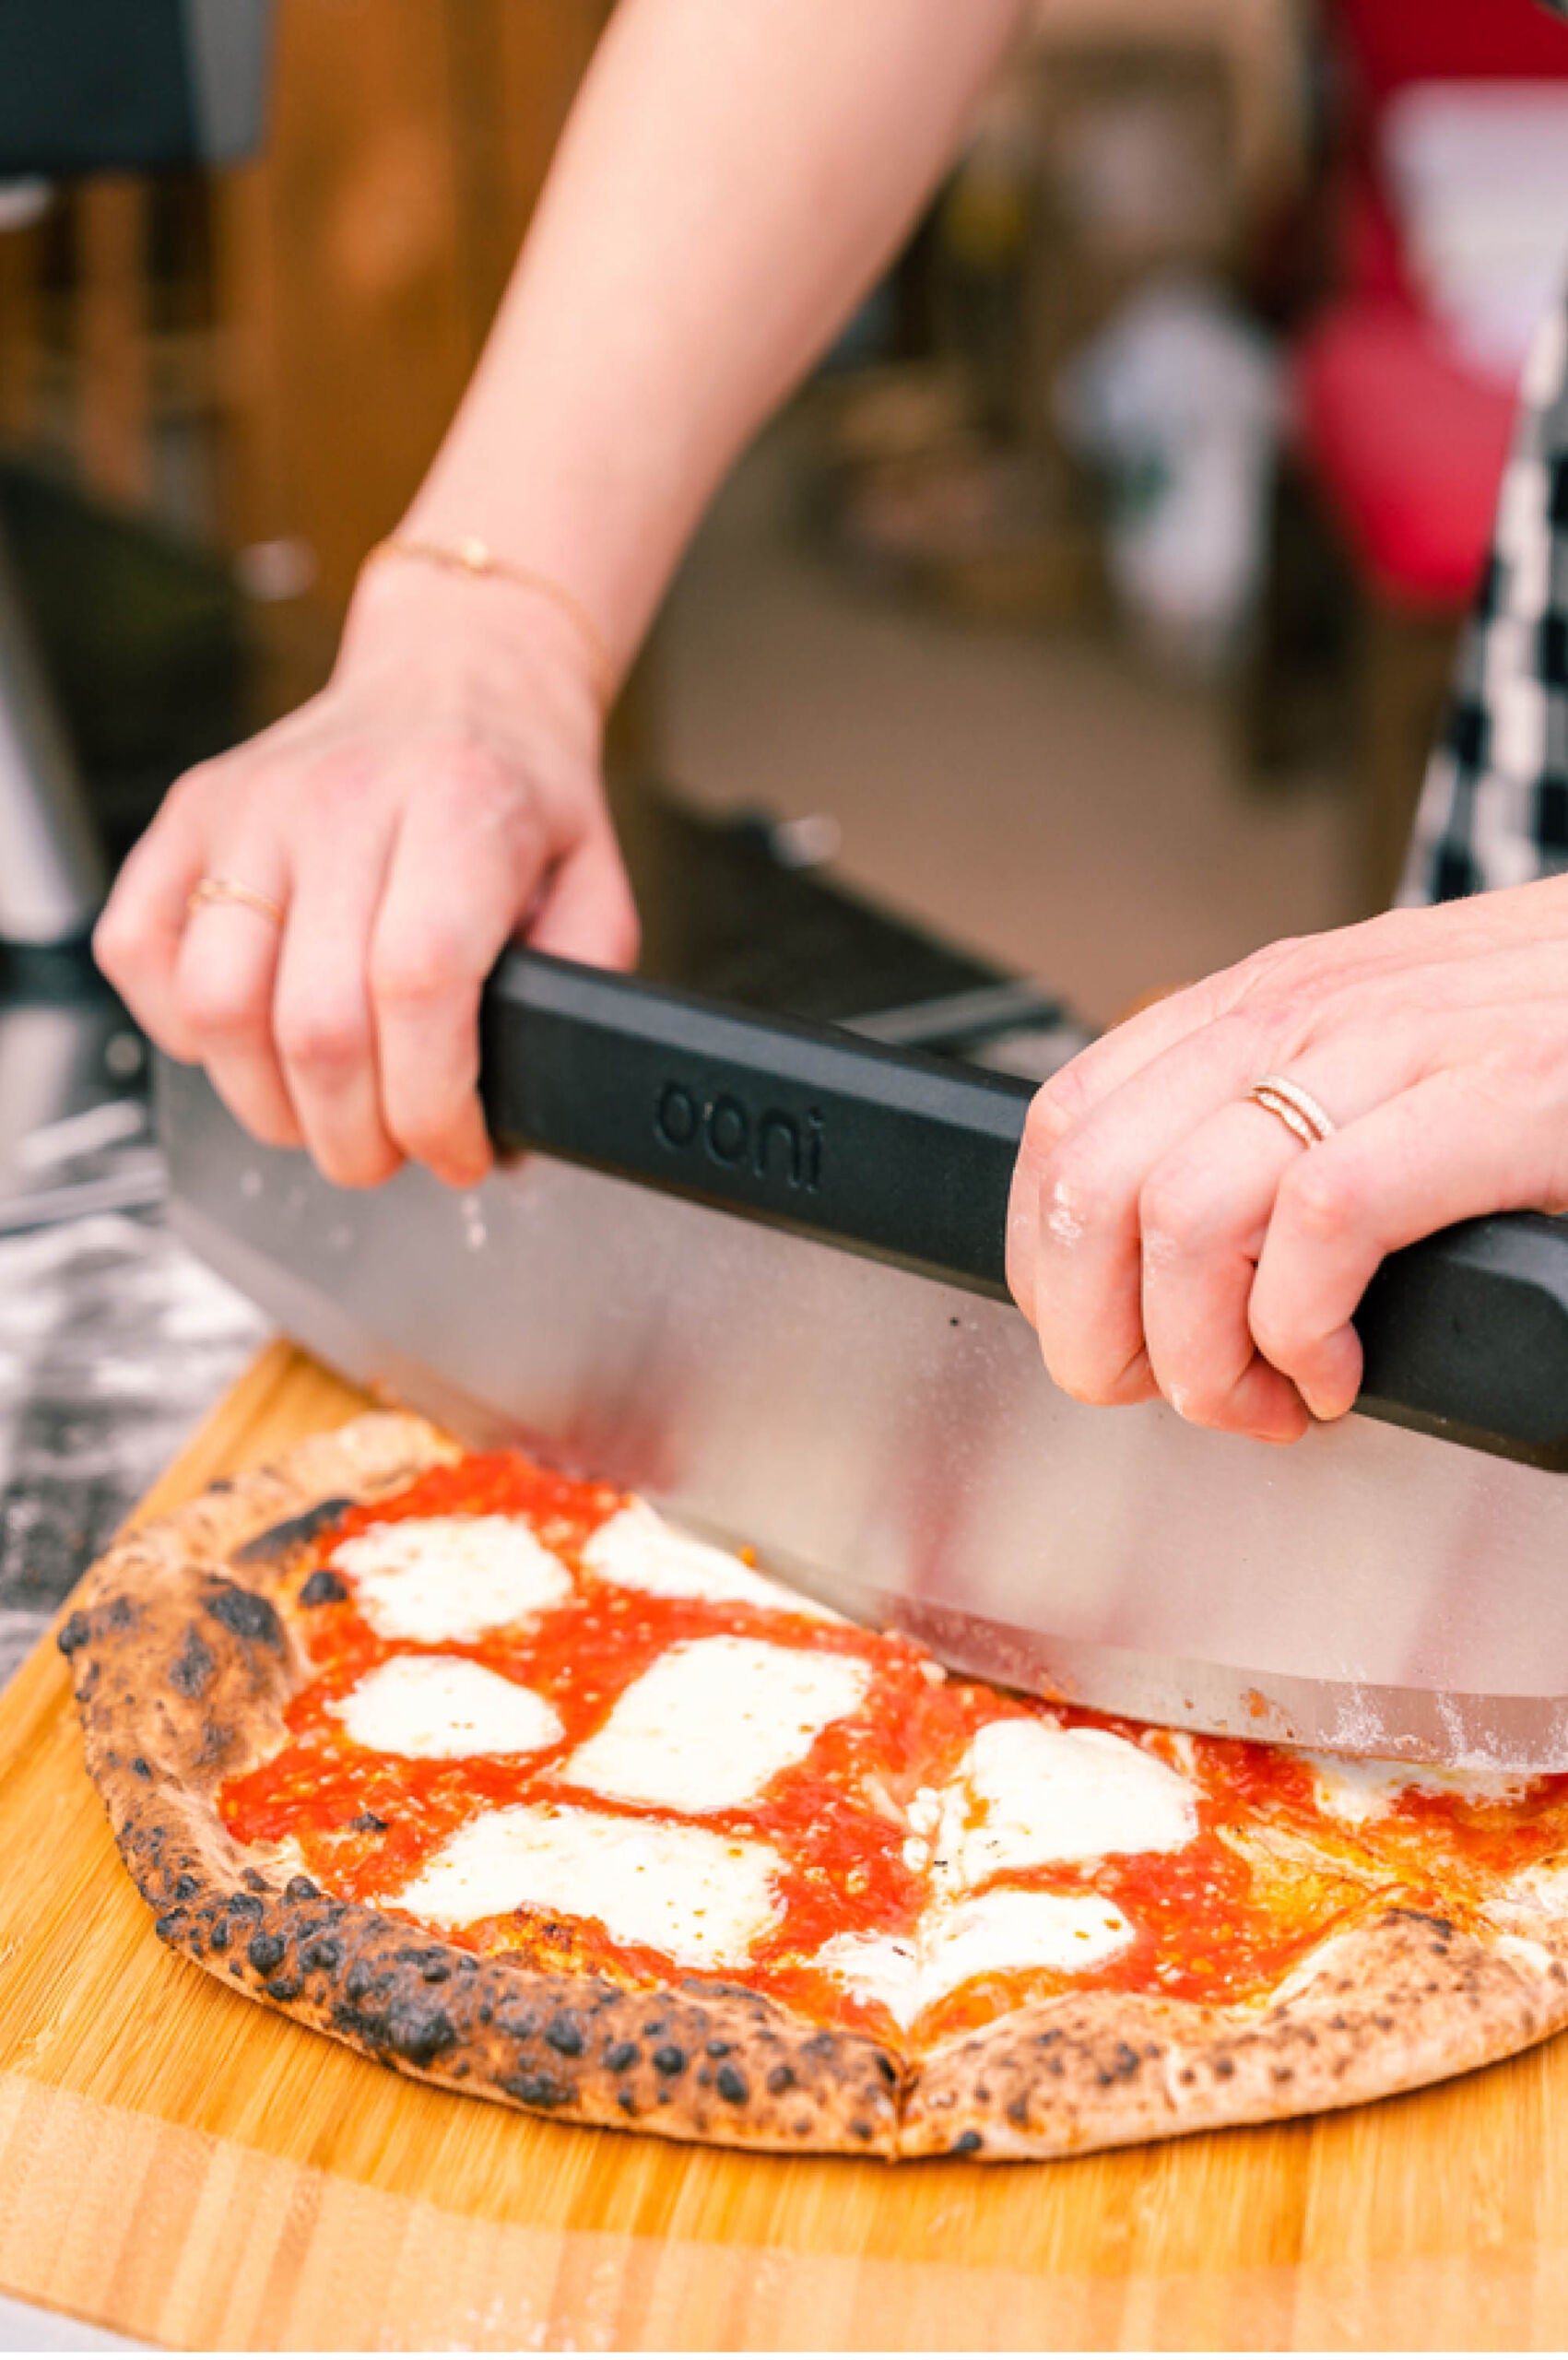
440,798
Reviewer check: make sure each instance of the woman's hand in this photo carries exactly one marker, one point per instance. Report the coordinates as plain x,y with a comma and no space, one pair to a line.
440,797
1169,1235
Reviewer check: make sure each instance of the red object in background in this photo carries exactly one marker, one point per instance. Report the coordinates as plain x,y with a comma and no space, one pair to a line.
1404,438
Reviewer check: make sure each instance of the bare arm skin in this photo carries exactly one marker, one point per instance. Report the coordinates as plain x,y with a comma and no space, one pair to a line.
732,179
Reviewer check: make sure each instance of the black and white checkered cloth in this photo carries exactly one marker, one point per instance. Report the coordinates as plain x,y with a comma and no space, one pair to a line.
1494,803
1495,806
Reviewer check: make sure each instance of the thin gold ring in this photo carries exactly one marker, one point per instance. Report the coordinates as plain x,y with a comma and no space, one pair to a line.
1296,1108
229,889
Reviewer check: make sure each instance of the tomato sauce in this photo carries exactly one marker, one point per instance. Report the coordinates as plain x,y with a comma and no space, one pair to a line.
1219,1921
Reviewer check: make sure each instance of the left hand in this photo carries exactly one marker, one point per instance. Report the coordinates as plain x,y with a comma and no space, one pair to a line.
1168,1235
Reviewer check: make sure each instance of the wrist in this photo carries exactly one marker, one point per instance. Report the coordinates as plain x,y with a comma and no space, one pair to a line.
409,619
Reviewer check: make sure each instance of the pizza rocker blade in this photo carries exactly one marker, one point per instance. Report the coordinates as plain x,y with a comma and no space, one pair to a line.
754,1270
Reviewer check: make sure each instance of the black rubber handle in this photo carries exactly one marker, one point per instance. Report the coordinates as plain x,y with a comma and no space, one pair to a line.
901,1155
909,1157
1467,1335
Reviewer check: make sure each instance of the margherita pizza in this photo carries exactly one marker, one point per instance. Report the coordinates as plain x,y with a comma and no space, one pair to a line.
502,1778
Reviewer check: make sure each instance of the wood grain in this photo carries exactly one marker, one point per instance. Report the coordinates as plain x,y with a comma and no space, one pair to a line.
175,2163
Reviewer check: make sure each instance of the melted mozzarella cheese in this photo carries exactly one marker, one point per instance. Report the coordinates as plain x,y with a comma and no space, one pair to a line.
701,1898
450,1578
442,1708
883,1967
713,1723
1007,1931
1010,1931
1356,1789
1028,1794
637,1549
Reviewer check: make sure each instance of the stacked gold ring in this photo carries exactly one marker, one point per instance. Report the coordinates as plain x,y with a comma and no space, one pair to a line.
1296,1108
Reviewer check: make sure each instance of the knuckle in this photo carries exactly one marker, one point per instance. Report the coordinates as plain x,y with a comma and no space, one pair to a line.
119,943
223,1009
1322,1195
467,768
1175,1207
324,1042
421,970
1075,1187
1057,1105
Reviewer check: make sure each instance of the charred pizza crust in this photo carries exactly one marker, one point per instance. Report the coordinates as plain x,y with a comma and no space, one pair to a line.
183,1666
1403,1998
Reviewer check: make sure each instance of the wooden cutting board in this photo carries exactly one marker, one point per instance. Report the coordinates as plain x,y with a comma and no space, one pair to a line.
179,2164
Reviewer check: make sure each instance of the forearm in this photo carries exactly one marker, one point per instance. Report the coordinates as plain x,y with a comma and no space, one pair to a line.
735,175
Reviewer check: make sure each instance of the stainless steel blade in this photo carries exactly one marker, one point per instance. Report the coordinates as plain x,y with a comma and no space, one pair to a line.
894,1446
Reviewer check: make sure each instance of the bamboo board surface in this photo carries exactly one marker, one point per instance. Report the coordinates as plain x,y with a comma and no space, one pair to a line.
177,2164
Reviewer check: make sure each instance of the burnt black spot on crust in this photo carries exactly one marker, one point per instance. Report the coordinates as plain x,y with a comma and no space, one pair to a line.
141,1767
190,1673
283,1987
281,1542
565,2033
669,2059
733,2085
781,2079
324,1589
322,1954
74,1632
301,1889
968,2142
621,2055
407,2027
538,2089
1121,2065
248,1614
265,1953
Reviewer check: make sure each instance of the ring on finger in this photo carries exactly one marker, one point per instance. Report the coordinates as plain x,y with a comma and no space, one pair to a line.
1295,1107
209,889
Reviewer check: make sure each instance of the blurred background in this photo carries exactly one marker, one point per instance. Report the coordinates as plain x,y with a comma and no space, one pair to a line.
1091,607
1084,623
1097,595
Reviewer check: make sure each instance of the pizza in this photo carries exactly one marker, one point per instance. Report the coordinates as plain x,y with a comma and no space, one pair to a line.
501,1777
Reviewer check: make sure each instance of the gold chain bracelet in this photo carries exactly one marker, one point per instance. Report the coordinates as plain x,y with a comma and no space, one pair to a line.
472,556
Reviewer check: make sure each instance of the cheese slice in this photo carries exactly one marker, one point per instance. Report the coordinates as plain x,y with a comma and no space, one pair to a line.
444,1708
701,1898
637,1549
1028,1795
445,1578
714,1722
1009,1931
